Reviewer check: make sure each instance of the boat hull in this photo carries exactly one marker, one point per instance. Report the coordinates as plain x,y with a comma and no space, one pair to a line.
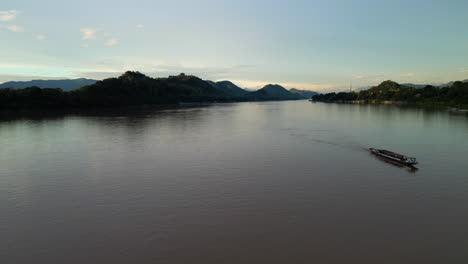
394,156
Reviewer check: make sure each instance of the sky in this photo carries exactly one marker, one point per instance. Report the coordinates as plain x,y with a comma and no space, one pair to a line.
320,45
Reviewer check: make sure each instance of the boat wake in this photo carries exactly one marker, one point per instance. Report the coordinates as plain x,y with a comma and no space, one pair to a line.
350,146
353,147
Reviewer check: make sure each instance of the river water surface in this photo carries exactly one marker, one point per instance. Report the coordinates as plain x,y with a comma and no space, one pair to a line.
270,182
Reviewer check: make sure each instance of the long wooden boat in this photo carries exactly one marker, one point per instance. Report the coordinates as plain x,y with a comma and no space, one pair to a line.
394,156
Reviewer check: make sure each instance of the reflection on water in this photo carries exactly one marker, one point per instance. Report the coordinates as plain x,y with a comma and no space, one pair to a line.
266,182
409,168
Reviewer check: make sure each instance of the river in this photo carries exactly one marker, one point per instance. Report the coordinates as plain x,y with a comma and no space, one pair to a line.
260,182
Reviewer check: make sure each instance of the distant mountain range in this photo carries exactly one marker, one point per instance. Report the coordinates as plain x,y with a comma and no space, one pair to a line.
134,88
390,92
424,85
228,88
65,85
268,91
451,83
304,93
274,92
412,85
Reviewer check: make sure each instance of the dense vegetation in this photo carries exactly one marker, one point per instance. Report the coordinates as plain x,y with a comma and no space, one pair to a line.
134,88
33,97
273,92
455,95
229,88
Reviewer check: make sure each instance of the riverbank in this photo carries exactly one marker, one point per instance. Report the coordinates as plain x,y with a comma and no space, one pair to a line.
388,92
455,108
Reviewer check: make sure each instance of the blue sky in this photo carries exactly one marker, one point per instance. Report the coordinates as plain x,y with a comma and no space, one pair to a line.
316,45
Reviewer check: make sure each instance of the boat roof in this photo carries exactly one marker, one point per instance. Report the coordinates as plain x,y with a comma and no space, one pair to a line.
391,152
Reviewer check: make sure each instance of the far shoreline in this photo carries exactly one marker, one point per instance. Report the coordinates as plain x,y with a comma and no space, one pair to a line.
440,106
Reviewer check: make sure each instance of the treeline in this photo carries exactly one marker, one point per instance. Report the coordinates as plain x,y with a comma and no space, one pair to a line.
135,88
34,97
335,97
131,88
456,95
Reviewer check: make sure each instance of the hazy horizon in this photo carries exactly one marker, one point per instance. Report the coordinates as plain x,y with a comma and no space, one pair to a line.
311,45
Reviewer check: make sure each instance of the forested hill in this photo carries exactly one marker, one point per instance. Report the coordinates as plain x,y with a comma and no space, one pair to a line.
455,95
273,92
134,88
229,88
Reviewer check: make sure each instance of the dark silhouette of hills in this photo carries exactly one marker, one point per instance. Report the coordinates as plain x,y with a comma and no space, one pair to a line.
228,88
437,85
65,85
451,83
306,94
455,95
135,88
412,85
273,92
386,86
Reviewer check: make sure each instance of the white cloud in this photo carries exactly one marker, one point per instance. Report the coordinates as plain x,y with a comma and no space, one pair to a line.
40,37
359,77
15,28
9,15
88,33
368,78
111,42
85,45
140,26
463,70
410,74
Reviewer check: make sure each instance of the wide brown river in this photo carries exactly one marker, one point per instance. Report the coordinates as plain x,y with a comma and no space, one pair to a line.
271,182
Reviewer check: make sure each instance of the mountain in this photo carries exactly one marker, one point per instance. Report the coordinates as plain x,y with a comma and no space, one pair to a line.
191,85
65,85
451,83
135,88
386,86
456,95
228,88
304,93
412,85
274,92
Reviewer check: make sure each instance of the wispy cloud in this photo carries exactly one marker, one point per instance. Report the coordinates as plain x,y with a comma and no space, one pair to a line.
368,77
15,28
463,70
140,26
410,74
360,77
111,42
88,33
40,37
9,15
